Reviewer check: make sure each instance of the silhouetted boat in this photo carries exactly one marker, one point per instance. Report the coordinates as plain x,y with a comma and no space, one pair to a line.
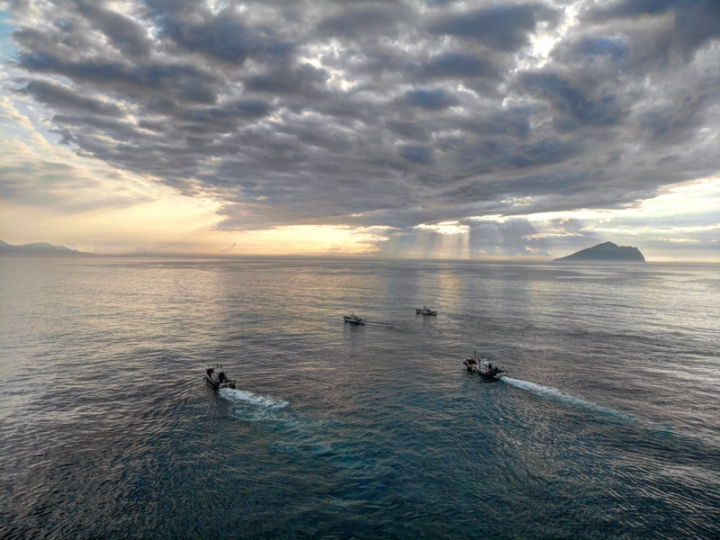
354,319
425,311
484,367
216,376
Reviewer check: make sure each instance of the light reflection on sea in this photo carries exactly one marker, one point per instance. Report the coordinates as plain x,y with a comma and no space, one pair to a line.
607,425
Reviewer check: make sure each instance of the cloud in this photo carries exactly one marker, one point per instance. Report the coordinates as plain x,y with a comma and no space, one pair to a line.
8,110
692,23
432,100
391,114
416,153
61,98
573,105
504,27
34,173
461,66
363,20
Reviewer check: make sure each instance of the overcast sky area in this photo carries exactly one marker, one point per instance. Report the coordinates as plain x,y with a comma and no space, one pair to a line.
409,128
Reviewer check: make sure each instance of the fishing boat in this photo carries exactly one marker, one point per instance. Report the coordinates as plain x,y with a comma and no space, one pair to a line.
425,311
354,319
216,376
484,367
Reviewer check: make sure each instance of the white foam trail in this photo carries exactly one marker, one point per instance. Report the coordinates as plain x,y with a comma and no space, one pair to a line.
244,396
557,395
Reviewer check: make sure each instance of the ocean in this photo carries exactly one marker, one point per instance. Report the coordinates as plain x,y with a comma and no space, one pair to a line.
606,426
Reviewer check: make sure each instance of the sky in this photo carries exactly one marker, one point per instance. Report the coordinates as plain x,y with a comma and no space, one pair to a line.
393,128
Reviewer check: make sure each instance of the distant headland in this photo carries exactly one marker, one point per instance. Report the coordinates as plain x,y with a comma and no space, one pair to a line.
41,249
606,252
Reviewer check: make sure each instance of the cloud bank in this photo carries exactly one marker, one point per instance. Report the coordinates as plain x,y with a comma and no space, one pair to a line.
386,113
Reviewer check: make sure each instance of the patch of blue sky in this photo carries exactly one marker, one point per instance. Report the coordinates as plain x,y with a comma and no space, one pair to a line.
8,49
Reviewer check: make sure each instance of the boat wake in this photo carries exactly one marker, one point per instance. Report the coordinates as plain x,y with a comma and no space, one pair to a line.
560,397
248,398
250,407
384,325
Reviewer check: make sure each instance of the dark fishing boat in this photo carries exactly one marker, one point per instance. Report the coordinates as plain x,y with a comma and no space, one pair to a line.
484,367
354,319
216,376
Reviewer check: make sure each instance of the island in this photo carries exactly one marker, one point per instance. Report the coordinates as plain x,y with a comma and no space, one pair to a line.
39,249
606,252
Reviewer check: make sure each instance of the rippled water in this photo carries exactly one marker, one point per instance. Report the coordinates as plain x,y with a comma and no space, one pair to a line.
607,426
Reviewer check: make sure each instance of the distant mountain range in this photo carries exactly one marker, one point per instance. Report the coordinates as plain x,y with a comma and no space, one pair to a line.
606,252
38,248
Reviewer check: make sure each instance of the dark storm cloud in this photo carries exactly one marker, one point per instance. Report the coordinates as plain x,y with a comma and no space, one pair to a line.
504,27
117,77
672,122
692,23
124,33
223,37
513,122
383,113
429,99
459,65
365,20
294,80
62,98
416,153
695,20
574,106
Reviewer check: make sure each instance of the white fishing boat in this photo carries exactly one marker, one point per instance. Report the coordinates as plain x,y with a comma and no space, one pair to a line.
354,319
216,376
484,366
425,311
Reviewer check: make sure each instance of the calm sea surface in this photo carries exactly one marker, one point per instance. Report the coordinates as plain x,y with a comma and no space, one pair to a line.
608,425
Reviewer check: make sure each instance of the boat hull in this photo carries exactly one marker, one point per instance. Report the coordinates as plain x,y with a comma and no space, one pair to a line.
217,385
218,379
483,368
